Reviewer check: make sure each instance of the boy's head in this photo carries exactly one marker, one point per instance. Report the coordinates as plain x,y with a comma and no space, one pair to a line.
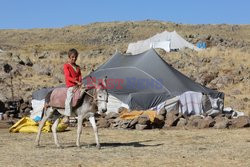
72,54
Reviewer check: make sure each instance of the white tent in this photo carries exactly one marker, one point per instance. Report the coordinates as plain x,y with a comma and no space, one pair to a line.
165,40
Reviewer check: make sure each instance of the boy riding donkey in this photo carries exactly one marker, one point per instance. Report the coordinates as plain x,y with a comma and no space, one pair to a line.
73,79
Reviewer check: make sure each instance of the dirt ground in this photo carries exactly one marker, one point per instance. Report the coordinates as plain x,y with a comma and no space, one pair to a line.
206,147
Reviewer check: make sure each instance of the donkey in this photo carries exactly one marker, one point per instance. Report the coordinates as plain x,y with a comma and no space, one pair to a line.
92,99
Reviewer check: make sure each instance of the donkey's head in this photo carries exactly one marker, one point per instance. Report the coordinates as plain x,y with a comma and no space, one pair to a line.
102,96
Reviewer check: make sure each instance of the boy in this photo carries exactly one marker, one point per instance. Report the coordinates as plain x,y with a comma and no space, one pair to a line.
73,78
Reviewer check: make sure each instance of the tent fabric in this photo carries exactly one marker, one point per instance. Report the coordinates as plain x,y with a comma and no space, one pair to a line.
161,40
145,80
161,45
114,104
191,103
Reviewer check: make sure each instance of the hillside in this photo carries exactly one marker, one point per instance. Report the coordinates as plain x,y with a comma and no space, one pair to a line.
35,56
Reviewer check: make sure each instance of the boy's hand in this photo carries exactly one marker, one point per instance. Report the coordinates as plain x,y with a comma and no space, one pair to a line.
79,83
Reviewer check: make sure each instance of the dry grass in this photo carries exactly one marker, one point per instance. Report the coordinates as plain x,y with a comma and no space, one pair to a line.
207,147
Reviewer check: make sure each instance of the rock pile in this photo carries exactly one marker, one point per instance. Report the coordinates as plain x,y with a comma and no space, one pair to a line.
12,109
173,119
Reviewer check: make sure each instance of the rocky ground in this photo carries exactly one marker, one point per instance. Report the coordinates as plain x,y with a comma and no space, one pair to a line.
33,58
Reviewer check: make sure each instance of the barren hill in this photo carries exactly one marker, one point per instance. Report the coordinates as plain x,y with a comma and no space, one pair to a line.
35,56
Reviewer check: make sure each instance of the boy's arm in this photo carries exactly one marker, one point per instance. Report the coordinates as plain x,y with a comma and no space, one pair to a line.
80,76
67,74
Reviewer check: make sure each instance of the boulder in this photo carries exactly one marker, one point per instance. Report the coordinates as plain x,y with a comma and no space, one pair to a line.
171,119
116,122
27,111
28,62
133,123
194,121
236,92
122,109
124,124
221,122
182,122
159,121
112,115
143,119
206,122
241,121
3,98
7,68
103,123
162,112
23,106
140,127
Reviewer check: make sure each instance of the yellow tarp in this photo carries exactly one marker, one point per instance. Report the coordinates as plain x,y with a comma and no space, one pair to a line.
27,124
134,114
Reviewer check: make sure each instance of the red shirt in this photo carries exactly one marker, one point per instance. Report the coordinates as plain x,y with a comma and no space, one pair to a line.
71,75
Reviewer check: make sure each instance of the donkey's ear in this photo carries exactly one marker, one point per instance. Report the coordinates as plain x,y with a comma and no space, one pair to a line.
104,81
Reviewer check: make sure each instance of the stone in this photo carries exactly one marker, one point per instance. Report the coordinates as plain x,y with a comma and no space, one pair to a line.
140,127
236,92
122,109
162,112
143,119
160,117
124,124
241,122
171,119
173,111
28,62
221,122
3,98
103,123
23,106
159,121
194,121
245,99
206,122
133,122
182,122
27,111
112,115
7,68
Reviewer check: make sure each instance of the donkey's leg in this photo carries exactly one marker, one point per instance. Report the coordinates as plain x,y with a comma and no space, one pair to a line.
46,115
54,126
92,121
79,130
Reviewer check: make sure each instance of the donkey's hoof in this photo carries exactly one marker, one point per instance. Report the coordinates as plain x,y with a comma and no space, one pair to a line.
98,146
37,146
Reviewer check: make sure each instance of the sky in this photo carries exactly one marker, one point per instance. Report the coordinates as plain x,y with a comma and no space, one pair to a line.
26,14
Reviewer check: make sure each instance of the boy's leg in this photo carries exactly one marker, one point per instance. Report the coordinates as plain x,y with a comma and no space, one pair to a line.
68,101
